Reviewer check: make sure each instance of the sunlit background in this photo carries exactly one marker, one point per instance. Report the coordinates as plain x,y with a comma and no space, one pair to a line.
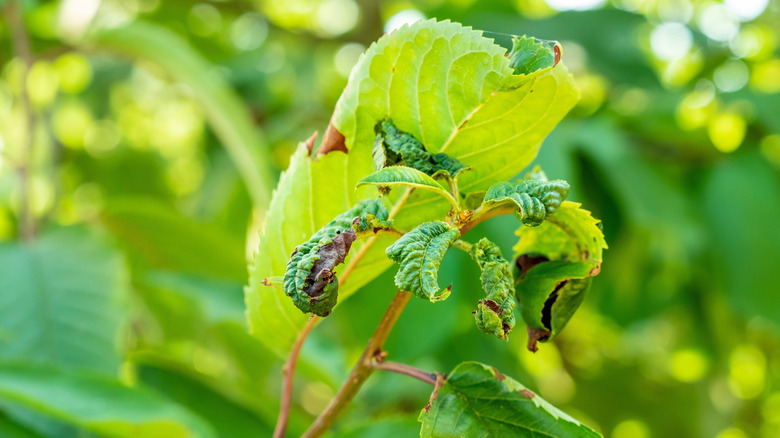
130,118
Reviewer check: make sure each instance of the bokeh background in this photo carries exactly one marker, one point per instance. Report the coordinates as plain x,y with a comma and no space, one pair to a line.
140,141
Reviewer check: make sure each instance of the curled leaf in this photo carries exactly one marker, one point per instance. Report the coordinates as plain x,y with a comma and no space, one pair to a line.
495,313
534,200
530,54
394,147
309,279
420,252
557,261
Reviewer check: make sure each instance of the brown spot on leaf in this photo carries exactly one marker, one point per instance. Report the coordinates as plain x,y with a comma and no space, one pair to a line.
333,140
527,394
331,254
310,142
500,377
596,270
440,380
490,304
557,50
535,335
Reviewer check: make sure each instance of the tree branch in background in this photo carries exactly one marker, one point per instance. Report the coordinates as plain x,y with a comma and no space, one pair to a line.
21,47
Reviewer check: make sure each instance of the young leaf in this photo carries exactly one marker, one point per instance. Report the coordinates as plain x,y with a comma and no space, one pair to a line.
420,252
309,279
409,177
477,401
557,261
529,54
495,314
534,200
398,147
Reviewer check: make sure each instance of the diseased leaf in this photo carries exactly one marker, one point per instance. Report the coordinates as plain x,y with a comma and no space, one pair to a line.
530,54
309,195
495,314
477,401
420,252
397,147
556,260
406,176
309,279
534,200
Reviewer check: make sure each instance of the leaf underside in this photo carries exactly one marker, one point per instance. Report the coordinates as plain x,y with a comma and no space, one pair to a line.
477,401
407,177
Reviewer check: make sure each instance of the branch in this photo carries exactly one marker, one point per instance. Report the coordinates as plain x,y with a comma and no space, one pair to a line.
480,215
362,369
288,373
21,47
407,370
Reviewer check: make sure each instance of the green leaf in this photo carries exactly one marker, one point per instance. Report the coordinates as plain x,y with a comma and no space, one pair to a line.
534,200
456,93
420,252
97,404
164,238
557,261
228,418
478,401
529,54
398,147
309,279
496,313
409,177
62,301
228,116
309,195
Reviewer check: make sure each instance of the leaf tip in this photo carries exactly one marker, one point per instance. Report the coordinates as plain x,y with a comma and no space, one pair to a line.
536,335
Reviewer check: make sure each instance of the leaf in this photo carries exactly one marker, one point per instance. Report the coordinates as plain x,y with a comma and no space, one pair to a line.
529,54
225,111
228,418
455,92
478,401
534,200
309,279
557,260
420,252
495,314
398,147
309,195
166,239
409,177
62,301
97,404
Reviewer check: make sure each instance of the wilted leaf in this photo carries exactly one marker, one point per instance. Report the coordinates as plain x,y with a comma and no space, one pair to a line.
309,279
398,147
420,252
478,401
495,314
534,200
557,260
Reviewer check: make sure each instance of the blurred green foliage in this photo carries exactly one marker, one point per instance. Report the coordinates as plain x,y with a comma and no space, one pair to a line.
159,128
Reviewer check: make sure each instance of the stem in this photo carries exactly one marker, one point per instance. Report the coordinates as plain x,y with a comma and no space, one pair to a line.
407,370
21,47
288,374
463,246
362,369
480,215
